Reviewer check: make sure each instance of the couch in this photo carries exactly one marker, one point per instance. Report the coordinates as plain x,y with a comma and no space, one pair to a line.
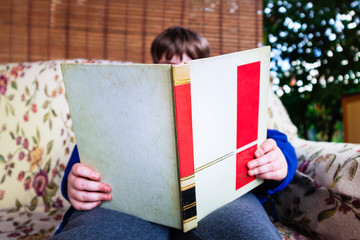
323,200
36,140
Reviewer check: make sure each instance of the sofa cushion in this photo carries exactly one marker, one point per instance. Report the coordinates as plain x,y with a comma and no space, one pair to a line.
36,139
36,134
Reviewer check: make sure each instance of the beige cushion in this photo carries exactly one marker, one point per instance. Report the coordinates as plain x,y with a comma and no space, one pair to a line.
278,117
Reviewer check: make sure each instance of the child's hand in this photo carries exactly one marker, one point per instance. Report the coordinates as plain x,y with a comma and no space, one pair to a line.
269,162
85,192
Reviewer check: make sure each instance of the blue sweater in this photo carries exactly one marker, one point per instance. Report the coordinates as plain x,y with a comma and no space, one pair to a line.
267,188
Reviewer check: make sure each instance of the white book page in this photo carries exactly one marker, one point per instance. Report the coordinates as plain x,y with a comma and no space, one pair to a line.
214,111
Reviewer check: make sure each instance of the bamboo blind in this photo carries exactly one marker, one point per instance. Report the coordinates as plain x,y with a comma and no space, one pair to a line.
36,30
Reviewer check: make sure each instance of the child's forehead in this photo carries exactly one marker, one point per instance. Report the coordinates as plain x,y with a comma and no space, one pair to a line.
174,59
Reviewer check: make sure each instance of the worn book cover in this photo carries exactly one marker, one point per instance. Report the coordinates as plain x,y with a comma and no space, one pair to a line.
171,140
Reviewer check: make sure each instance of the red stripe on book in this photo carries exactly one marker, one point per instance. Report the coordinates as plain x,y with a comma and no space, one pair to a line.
182,95
248,87
242,158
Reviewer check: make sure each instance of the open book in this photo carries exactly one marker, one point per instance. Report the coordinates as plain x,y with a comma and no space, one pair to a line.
172,141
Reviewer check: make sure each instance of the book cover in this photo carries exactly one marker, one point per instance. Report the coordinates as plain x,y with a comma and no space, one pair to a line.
172,141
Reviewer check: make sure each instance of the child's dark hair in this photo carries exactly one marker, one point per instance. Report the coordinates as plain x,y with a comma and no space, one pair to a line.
178,40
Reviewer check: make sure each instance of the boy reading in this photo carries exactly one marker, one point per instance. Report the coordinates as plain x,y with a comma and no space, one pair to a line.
244,218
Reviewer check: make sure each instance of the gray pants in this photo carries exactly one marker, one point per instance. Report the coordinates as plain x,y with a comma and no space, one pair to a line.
244,218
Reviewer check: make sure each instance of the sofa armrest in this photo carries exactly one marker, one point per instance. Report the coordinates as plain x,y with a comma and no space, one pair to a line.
334,166
323,200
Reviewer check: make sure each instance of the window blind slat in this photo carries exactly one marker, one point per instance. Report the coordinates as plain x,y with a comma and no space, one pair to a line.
120,29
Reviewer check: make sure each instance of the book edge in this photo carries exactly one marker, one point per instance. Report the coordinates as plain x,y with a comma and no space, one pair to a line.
182,102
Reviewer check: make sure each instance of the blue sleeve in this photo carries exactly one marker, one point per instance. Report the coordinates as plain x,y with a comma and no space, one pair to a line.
290,156
73,159
270,186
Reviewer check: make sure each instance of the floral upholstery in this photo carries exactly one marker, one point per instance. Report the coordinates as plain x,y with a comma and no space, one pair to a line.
35,142
323,200
36,139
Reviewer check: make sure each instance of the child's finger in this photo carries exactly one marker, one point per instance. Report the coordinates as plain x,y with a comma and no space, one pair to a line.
259,153
83,184
83,196
268,145
276,175
81,170
82,206
265,159
268,167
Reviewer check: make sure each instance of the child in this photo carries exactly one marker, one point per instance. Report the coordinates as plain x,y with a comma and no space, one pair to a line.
245,218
